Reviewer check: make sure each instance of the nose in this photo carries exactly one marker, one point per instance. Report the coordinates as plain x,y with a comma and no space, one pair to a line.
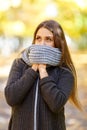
43,42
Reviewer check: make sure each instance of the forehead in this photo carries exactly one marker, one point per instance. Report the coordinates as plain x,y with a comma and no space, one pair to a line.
44,32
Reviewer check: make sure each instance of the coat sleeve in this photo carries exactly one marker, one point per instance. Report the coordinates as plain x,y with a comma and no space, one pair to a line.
18,84
57,94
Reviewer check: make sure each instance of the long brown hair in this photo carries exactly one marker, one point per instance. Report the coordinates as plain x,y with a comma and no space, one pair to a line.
60,42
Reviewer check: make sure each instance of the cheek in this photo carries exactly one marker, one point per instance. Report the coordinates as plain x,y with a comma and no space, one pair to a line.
51,44
35,42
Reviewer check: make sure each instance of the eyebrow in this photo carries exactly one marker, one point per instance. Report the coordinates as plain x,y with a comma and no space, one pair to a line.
46,36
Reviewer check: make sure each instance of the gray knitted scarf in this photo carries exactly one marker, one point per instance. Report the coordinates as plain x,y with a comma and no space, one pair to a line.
41,54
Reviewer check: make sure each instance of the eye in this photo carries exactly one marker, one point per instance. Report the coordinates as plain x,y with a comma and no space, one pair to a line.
49,39
38,38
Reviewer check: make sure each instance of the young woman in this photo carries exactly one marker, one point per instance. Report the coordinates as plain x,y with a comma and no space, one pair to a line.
42,81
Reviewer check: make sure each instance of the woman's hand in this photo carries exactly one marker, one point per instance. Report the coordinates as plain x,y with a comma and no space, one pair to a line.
35,67
42,70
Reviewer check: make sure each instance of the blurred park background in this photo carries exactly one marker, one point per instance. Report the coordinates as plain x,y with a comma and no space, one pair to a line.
18,20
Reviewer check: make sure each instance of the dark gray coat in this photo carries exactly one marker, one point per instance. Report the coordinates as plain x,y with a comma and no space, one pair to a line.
53,93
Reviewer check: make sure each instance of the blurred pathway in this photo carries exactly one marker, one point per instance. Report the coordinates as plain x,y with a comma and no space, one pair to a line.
4,108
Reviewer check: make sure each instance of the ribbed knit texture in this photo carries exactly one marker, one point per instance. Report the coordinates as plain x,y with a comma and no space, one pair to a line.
42,54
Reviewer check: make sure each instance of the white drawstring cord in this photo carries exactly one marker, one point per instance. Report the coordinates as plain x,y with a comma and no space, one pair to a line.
35,107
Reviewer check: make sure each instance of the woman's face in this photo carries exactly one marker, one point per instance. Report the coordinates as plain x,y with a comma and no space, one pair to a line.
44,37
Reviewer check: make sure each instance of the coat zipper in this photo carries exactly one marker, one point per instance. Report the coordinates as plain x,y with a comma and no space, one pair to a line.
35,106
